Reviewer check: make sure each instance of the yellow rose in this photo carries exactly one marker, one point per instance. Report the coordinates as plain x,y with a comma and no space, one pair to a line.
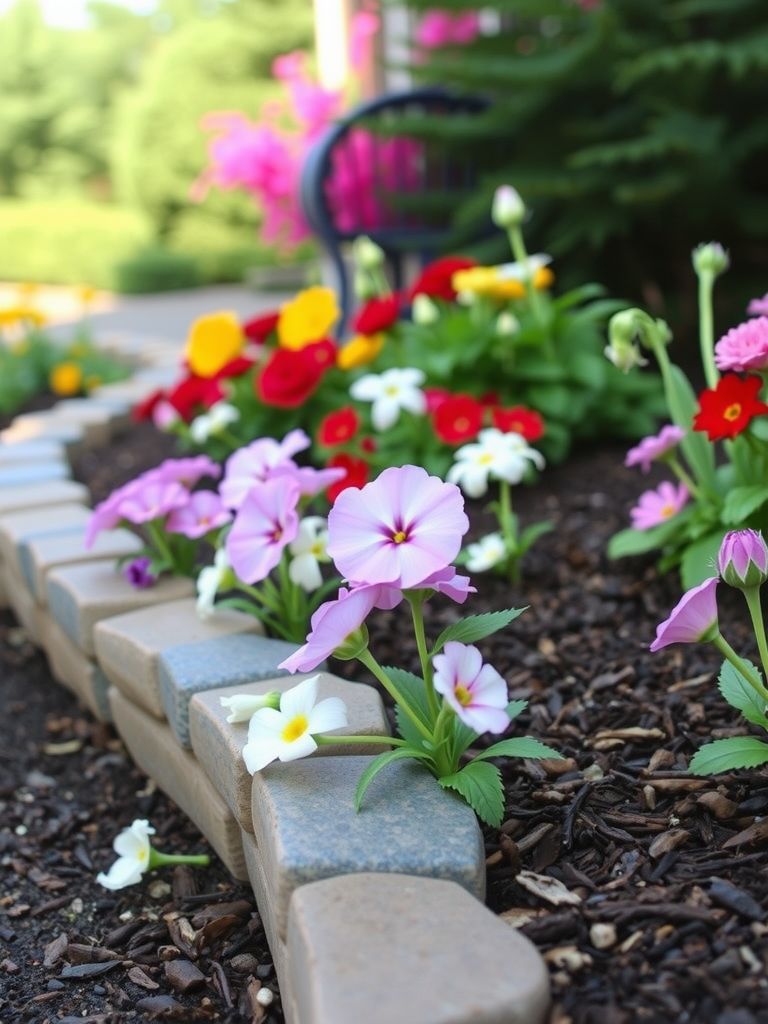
213,341
362,349
65,379
307,318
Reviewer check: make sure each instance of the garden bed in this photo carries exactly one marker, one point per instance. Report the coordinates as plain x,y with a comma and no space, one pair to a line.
667,868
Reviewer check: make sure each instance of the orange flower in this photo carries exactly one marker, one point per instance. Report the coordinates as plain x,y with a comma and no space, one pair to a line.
65,379
213,341
362,349
307,318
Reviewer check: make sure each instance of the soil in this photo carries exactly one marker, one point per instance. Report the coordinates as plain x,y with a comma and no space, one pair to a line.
644,887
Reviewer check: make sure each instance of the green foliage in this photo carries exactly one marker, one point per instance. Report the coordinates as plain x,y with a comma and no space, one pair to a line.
635,129
156,270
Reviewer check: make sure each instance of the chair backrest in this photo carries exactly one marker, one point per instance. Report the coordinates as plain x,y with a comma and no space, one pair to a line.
367,176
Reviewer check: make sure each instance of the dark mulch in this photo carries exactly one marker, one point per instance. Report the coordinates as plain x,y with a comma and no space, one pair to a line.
654,908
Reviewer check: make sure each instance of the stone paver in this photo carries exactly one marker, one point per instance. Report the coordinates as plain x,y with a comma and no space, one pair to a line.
255,869
31,524
381,948
225,661
39,555
75,670
20,601
31,451
44,425
218,744
154,749
81,595
97,422
306,827
128,647
37,496
34,473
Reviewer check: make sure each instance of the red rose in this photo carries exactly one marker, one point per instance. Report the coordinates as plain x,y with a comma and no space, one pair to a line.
235,367
194,393
458,419
435,280
377,315
290,376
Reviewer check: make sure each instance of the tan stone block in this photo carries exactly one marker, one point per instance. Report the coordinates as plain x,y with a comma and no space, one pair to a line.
34,426
33,452
153,747
33,523
39,495
73,669
42,554
264,903
219,744
79,596
21,602
129,646
97,422
385,947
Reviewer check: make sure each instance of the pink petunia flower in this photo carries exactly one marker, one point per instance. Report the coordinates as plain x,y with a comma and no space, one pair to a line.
335,621
266,522
106,515
655,507
151,499
693,619
185,471
652,448
475,691
399,529
758,307
257,462
744,347
203,512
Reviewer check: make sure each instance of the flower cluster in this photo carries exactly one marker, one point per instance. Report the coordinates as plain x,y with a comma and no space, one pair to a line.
716,445
742,562
395,540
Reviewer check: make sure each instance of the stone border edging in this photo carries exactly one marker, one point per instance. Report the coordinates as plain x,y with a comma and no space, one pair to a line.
374,916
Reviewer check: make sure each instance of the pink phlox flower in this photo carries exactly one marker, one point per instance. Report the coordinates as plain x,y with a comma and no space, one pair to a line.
439,28
450,583
655,507
694,617
744,347
205,511
154,499
364,26
106,515
475,691
311,481
399,529
266,522
758,307
652,448
257,462
336,620
185,471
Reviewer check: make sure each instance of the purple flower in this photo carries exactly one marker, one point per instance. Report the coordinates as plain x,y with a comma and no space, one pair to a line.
150,499
399,529
257,462
185,471
205,511
743,559
655,507
335,621
758,307
265,524
138,575
744,347
652,448
476,692
693,619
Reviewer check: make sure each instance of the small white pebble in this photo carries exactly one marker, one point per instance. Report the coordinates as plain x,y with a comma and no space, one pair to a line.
21,830
265,996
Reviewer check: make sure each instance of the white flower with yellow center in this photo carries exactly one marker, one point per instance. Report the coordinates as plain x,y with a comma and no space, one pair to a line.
288,733
308,551
242,706
486,553
391,391
503,456
133,850
211,423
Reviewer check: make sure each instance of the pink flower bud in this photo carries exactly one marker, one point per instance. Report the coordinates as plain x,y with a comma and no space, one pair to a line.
743,559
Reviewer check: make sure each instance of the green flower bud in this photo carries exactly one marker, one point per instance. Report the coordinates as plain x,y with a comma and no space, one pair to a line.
711,258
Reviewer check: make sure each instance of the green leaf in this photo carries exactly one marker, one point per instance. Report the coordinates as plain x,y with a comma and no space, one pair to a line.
742,502
637,542
520,746
739,694
531,534
480,785
733,752
515,708
414,692
387,758
476,627
699,559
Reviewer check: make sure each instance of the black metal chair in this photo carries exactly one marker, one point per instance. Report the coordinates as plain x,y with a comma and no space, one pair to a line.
367,176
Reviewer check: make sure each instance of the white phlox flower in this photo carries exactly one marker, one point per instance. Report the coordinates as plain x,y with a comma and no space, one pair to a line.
503,456
242,706
210,423
210,581
133,850
288,733
389,392
308,551
486,553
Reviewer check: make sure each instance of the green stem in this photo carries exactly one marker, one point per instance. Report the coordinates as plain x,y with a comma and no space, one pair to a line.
730,655
159,541
520,253
706,327
366,658
683,475
443,754
159,860
416,601
752,595
389,740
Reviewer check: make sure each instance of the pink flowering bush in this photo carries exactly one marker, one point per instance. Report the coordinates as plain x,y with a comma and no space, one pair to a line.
395,540
742,562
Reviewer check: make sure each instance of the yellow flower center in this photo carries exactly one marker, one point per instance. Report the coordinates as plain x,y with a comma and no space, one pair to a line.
732,412
667,511
462,694
485,459
142,854
399,537
295,728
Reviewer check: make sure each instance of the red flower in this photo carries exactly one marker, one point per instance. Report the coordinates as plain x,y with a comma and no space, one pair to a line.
143,410
519,420
290,376
435,398
260,327
725,410
357,474
435,280
377,315
338,427
235,367
458,419
194,393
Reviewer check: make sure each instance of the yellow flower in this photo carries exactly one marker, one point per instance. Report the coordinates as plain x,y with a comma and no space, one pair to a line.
65,379
491,283
543,278
362,349
307,318
213,341
9,316
86,294
34,316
